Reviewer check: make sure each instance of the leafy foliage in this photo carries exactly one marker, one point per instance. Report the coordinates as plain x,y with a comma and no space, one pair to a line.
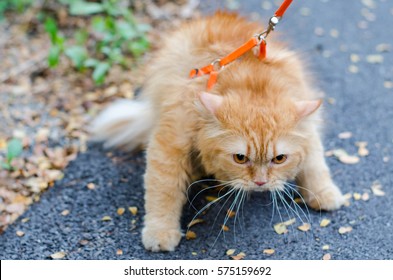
13,5
14,149
112,34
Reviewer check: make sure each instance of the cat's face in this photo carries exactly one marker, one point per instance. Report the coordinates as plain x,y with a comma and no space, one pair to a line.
256,148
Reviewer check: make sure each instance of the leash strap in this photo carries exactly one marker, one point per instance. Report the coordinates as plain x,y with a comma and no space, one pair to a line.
258,40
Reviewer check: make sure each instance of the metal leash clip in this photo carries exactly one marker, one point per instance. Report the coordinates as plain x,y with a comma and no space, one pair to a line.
272,25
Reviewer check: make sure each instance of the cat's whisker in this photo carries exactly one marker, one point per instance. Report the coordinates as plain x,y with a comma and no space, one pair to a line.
272,197
276,204
302,199
228,214
294,209
285,204
211,203
242,202
295,187
222,207
224,184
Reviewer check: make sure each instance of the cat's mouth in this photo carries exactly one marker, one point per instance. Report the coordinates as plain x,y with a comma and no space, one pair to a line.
261,187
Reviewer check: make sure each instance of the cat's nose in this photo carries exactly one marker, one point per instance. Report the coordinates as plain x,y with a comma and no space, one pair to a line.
258,183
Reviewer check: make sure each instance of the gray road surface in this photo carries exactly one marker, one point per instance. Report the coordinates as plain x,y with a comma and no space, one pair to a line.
328,33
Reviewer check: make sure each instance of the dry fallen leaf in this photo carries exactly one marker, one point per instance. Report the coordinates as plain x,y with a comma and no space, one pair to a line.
344,230
353,69
376,188
190,235
120,211
362,149
230,252
374,58
344,157
325,247
133,210
384,47
119,252
324,223
65,212
210,198
281,228
239,256
58,255
357,196
231,213
225,228
268,251
345,135
20,233
304,227
91,186
194,222
106,218
327,257
388,84
365,197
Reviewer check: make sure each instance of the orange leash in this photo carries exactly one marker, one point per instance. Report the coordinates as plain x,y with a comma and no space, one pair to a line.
258,40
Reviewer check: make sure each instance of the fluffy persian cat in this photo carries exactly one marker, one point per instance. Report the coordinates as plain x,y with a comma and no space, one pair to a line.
257,128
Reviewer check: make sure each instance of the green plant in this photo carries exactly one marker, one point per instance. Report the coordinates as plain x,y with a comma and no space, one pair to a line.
114,34
13,5
14,149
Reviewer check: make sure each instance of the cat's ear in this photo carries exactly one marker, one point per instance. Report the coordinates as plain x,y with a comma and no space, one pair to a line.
306,108
211,101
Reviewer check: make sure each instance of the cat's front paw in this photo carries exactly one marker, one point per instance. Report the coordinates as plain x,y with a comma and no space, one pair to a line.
330,198
159,239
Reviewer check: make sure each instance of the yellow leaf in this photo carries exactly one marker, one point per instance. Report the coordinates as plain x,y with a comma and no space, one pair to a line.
324,223
268,251
280,228
344,230
377,189
365,196
304,227
120,211
327,257
106,218
289,222
231,213
20,233
357,196
65,212
230,252
239,256
225,228
194,222
133,210
190,235
210,198
58,255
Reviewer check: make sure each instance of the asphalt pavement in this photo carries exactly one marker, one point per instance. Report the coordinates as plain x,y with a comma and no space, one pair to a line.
349,48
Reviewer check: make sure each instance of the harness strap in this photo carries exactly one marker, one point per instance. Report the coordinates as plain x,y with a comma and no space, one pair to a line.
257,40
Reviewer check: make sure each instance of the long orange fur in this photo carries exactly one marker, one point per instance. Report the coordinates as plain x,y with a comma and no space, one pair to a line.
259,109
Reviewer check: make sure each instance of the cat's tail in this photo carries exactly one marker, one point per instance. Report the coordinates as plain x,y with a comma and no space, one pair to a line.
125,123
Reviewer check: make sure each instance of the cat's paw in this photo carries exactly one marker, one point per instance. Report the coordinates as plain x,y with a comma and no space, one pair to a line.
156,239
329,199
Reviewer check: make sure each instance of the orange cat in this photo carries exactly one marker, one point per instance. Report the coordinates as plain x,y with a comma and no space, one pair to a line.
257,127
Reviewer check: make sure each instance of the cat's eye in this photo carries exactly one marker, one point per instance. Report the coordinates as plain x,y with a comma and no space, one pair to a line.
240,159
279,159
